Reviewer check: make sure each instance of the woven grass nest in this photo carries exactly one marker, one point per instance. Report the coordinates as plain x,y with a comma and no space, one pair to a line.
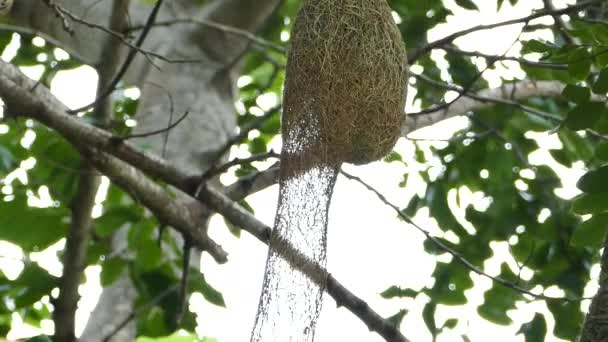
346,83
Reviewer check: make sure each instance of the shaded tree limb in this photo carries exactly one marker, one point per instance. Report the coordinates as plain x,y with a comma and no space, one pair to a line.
77,240
111,86
507,92
40,105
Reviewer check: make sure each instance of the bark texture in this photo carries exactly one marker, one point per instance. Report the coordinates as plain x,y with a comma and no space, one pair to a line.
205,88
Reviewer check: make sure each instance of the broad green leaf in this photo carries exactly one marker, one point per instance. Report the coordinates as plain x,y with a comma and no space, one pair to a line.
568,318
601,56
591,233
601,84
576,93
468,4
535,330
7,162
212,295
111,270
535,45
450,323
155,323
31,228
393,157
115,217
148,255
428,315
590,203
33,282
585,115
499,299
579,63
143,240
397,292
578,147
601,152
594,181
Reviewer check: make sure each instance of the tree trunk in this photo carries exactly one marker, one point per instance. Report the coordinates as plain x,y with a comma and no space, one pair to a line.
206,89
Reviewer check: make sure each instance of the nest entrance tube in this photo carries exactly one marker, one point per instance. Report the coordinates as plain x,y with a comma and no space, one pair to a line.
344,100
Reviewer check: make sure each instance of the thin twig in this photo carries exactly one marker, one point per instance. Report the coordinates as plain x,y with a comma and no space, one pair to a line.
127,63
453,252
460,90
416,54
520,60
467,88
219,27
140,310
155,132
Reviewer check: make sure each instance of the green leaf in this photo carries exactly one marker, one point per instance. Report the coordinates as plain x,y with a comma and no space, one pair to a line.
111,271
591,233
601,84
538,46
601,152
31,228
577,146
143,240
577,94
148,255
585,115
568,319
257,146
601,56
34,282
114,217
579,63
468,4
7,161
594,181
397,292
535,330
396,319
212,295
176,337
590,203
393,157
500,299
428,315
155,322
450,323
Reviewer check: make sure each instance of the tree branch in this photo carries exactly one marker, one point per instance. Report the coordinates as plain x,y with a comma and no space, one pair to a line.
511,92
416,54
39,104
77,240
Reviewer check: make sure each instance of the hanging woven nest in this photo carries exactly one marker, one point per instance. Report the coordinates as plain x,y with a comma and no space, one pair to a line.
346,83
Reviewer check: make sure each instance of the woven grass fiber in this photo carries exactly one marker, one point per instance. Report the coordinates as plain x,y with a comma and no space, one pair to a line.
344,101
346,83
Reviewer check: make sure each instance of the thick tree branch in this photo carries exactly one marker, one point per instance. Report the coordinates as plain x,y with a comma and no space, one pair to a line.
511,93
39,104
77,240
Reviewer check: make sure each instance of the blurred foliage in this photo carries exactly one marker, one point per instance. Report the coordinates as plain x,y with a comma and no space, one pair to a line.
555,239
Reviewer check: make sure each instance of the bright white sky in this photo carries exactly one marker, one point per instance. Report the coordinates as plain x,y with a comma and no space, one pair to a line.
369,249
